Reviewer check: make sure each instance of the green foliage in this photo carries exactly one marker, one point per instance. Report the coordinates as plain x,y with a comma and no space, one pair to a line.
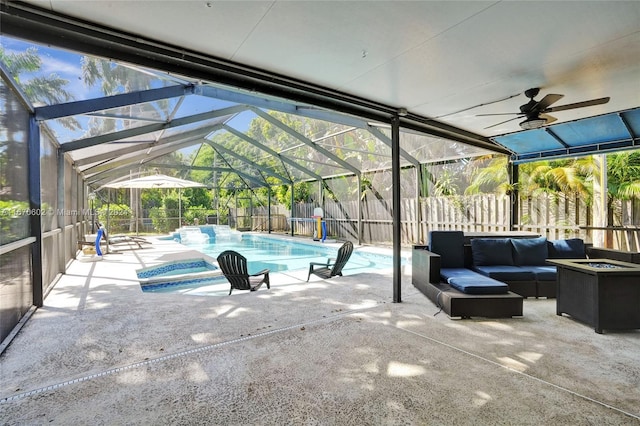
14,220
120,216
445,185
623,174
170,203
166,217
159,219
489,174
196,197
189,216
151,198
302,194
568,175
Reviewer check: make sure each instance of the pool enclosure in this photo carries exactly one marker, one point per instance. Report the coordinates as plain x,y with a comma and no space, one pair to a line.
380,174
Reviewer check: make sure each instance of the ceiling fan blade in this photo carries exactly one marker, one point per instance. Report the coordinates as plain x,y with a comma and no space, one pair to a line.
548,100
506,121
499,113
583,104
549,118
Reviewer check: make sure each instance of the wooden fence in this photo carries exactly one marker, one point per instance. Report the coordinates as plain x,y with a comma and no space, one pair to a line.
553,216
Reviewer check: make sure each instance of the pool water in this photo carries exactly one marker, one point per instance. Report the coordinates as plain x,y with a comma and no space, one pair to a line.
179,267
179,273
275,254
186,271
278,254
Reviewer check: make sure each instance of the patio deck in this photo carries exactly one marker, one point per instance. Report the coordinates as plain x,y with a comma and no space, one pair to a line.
325,352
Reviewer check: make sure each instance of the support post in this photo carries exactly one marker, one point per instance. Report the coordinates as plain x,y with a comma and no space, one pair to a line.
418,210
62,219
292,207
35,205
514,195
359,209
600,204
268,209
395,181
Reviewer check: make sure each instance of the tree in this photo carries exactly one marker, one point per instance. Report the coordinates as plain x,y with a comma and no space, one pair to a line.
114,79
47,89
13,168
623,171
39,89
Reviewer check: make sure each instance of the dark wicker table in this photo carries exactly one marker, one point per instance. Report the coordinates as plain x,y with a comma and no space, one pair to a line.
603,293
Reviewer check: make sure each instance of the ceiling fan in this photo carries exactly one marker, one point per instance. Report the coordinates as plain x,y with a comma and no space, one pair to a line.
536,111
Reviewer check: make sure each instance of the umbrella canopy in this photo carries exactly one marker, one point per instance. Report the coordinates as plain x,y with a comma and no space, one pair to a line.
155,181
158,181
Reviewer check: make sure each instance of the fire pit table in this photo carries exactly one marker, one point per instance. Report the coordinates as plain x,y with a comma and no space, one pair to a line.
602,293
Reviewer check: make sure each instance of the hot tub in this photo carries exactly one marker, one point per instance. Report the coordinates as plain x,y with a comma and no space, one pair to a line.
176,272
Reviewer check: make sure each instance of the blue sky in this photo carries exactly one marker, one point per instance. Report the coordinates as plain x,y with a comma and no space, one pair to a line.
68,65
56,61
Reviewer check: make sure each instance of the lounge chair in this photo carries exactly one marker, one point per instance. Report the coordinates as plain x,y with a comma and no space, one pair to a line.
116,240
126,239
234,268
328,269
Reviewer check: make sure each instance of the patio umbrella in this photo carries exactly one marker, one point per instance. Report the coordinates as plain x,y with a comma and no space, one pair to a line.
158,181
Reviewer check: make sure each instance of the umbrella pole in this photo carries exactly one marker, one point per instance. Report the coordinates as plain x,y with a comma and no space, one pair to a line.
107,230
179,208
137,210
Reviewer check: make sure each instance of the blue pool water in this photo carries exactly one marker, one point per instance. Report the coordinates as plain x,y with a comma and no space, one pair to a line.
275,254
181,267
178,273
279,255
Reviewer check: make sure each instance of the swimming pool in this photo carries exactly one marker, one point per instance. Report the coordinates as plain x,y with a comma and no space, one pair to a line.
186,272
277,255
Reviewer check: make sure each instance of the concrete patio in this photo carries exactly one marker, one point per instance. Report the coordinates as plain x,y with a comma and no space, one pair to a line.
333,352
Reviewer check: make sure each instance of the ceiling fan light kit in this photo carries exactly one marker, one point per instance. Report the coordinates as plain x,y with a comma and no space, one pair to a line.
533,123
536,111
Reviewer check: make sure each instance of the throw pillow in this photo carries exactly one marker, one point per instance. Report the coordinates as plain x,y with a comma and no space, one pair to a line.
567,249
530,251
491,251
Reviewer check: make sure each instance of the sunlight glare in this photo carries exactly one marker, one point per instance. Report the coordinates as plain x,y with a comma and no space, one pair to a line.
512,363
399,369
481,399
196,373
531,357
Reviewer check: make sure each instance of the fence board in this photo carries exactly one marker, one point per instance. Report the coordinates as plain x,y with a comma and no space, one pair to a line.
554,216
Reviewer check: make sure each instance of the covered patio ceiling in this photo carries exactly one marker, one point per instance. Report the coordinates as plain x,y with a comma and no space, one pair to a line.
442,67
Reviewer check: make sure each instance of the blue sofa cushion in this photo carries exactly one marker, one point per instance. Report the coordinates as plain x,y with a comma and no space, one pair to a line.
478,285
567,249
530,251
506,273
543,273
447,273
450,246
491,251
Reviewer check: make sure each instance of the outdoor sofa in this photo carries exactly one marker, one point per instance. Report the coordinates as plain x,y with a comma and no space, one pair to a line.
488,276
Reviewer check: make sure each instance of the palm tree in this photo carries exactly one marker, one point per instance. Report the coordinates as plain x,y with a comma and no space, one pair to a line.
39,89
564,177
623,172
49,90
115,79
492,175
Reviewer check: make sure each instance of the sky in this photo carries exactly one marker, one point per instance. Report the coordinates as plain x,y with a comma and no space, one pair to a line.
63,63
68,65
